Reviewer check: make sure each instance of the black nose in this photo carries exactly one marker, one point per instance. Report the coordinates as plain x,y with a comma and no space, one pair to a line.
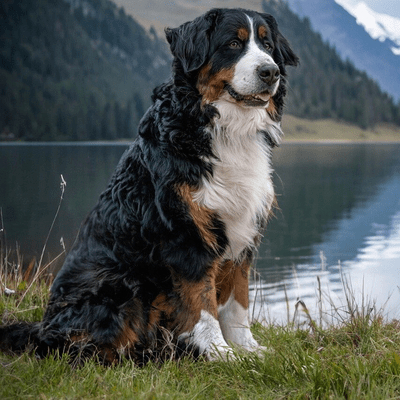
268,73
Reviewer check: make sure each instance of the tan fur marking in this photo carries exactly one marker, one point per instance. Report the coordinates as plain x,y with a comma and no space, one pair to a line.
109,355
197,296
224,282
211,86
241,283
154,317
243,34
272,111
233,278
262,31
79,337
127,337
201,216
159,307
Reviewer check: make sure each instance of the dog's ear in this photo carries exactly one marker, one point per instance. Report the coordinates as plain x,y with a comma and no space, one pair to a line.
289,58
190,42
288,55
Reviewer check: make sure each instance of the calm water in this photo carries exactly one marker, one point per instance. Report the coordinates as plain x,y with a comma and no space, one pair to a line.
339,215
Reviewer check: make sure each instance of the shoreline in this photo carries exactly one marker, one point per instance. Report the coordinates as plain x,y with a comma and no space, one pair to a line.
289,140
286,140
296,131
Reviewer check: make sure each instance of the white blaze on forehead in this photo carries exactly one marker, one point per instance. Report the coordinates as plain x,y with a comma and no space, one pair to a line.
245,80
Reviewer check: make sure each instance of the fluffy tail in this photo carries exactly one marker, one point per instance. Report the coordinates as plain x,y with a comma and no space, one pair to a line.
28,337
20,337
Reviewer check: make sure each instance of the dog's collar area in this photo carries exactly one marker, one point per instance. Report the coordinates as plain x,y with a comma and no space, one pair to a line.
248,100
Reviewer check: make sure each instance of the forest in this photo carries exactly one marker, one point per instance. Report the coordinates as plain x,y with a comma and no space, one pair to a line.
76,70
84,70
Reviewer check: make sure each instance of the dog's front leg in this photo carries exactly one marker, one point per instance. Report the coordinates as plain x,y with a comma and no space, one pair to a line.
199,324
233,304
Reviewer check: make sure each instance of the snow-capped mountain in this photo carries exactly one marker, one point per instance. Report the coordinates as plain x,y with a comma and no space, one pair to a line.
379,26
370,52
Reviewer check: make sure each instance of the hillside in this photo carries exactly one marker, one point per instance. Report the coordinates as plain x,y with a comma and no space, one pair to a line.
325,86
85,69
75,70
160,13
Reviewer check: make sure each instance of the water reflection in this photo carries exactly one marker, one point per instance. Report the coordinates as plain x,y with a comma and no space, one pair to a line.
30,177
337,203
377,265
338,213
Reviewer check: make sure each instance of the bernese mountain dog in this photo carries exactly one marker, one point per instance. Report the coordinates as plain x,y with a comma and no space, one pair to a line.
163,259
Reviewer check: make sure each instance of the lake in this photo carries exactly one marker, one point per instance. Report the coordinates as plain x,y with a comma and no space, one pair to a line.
338,218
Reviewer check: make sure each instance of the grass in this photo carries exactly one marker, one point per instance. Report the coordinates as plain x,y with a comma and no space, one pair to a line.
302,130
357,358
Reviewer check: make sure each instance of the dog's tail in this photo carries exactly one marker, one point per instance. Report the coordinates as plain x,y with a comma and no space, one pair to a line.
17,338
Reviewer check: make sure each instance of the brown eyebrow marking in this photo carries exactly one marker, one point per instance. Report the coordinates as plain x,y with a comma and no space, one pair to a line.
243,34
262,31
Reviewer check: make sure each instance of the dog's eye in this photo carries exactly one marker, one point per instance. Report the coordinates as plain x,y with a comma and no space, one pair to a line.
267,46
235,44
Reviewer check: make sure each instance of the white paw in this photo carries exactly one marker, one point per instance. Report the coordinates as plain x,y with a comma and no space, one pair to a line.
207,337
218,353
254,347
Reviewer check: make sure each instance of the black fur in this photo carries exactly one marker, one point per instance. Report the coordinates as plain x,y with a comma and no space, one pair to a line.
139,240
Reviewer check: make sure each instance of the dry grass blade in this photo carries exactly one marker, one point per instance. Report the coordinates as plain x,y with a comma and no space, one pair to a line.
40,270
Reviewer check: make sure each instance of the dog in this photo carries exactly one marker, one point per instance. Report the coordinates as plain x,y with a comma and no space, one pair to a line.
163,259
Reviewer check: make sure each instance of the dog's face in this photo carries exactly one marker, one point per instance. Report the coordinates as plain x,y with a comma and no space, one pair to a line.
237,55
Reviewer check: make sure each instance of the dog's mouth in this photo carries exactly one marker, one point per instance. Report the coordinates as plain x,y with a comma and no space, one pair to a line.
252,100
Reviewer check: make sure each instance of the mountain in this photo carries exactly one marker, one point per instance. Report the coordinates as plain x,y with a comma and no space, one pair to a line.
379,26
351,40
85,69
325,86
75,70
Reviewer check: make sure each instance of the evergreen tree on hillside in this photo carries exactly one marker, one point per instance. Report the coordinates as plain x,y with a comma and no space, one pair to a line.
63,64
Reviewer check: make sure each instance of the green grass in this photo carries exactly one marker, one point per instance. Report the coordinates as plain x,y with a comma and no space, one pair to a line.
359,358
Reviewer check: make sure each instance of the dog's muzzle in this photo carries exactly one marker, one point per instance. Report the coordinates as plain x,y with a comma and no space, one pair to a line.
266,80
253,100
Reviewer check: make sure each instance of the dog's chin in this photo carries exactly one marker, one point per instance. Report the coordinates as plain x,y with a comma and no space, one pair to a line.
249,100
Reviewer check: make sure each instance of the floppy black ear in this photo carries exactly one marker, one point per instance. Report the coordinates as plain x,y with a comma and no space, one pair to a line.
289,58
190,42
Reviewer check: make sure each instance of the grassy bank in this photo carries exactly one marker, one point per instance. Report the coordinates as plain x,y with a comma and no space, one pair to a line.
357,359
302,130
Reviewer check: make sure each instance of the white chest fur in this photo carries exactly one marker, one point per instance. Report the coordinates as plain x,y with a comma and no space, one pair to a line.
241,189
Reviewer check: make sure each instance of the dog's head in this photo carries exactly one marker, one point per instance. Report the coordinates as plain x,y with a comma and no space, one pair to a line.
232,53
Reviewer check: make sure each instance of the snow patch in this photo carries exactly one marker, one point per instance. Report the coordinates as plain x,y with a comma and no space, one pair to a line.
378,26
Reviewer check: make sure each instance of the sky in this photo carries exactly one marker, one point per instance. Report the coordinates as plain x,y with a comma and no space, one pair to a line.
390,7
